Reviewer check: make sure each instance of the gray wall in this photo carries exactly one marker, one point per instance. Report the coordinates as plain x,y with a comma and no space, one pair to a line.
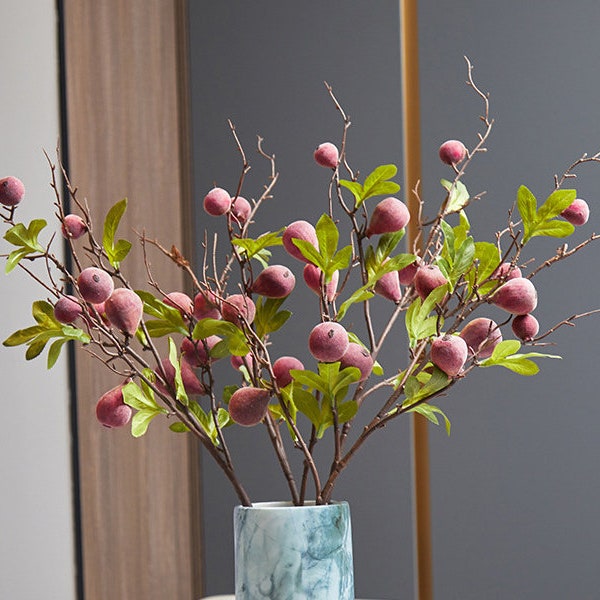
515,488
36,539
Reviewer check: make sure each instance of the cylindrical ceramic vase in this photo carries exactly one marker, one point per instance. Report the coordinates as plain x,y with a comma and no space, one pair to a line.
285,552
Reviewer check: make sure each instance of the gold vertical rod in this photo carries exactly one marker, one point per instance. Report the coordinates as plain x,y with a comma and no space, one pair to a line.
411,126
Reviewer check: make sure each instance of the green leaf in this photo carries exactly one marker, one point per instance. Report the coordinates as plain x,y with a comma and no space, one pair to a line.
268,316
387,244
488,259
527,205
328,236
310,253
22,336
180,393
115,250
14,258
257,248
437,381
558,229
233,336
54,352
372,185
308,405
141,421
179,427
309,379
458,196
347,411
360,295
504,349
356,189
26,237
556,202
430,412
35,348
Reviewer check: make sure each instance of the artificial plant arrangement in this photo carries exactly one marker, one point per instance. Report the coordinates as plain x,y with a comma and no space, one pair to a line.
441,291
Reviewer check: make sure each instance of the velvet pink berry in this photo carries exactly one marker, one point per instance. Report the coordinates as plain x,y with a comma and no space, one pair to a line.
327,155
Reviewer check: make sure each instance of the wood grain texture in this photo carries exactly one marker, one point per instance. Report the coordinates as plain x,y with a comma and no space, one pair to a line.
128,136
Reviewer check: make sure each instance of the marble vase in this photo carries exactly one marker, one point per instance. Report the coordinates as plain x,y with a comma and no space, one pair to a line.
285,552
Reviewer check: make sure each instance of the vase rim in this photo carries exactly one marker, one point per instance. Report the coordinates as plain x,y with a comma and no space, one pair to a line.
288,505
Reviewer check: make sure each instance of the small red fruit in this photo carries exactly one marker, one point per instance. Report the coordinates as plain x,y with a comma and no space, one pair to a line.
194,351
389,216
388,286
427,278
449,353
517,296
124,310
452,152
577,213
312,276
327,155
482,335
12,191
282,367
407,275
95,285
507,271
328,342
73,226
248,405
111,411
357,356
206,306
276,281
67,309
299,230
182,302
525,327
238,307
241,209
217,202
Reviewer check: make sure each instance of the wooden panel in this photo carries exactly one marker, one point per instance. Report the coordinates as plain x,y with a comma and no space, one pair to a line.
126,96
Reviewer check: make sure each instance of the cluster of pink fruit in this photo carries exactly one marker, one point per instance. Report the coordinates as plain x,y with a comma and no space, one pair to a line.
437,288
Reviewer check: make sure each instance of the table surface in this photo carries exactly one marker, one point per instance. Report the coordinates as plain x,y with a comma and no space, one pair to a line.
225,597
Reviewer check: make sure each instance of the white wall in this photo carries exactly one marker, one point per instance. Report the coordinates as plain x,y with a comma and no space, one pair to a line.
36,532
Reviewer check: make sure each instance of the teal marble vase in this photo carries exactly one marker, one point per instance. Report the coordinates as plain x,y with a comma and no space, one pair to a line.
285,552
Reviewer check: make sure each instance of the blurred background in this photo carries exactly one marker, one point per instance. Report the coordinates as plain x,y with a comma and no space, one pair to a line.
515,488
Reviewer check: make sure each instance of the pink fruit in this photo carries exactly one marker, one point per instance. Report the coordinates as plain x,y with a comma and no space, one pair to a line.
327,155
312,276
194,351
124,310
191,383
238,308
282,367
275,281
427,278
516,296
182,302
95,285
389,216
67,309
299,230
241,209
73,226
111,411
248,405
357,356
482,335
525,327
506,271
578,213
449,353
407,275
328,342
12,191
452,152
243,361
217,202
206,306
388,286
